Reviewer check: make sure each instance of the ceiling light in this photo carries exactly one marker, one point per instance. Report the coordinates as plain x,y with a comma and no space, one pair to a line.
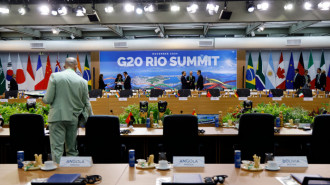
80,11
139,10
175,8
324,5
288,6
250,6
192,8
108,9
129,7
212,8
22,11
263,6
56,31
72,36
44,9
54,11
149,8
62,10
308,5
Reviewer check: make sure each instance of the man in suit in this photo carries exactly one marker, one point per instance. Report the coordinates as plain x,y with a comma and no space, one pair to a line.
13,84
307,80
320,80
191,80
67,94
200,80
298,80
127,82
184,82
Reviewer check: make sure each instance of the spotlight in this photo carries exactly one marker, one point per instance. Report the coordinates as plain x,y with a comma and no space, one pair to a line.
72,36
80,11
308,5
44,10
212,8
62,10
324,5
288,6
129,8
22,11
263,6
250,6
261,28
139,10
56,31
54,11
149,8
108,9
192,8
175,8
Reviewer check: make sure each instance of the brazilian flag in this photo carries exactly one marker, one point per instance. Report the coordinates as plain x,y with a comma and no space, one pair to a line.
87,74
250,81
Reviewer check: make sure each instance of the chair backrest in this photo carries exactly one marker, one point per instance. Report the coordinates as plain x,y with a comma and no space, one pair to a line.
156,92
277,92
256,135
180,135
27,133
315,180
243,92
103,138
214,92
11,94
320,139
126,93
307,92
95,93
184,92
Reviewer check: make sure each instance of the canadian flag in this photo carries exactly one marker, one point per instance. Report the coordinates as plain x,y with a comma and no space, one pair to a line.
29,76
280,74
39,76
20,77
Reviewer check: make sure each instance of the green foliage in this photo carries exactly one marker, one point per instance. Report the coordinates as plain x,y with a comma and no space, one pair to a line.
135,109
8,109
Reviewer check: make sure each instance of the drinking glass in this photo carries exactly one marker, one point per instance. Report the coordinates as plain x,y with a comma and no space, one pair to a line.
297,121
162,156
268,157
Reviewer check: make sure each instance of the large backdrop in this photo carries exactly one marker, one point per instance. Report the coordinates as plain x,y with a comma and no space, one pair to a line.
162,69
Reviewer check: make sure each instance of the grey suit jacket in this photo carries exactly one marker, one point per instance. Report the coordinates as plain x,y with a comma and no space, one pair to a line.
67,94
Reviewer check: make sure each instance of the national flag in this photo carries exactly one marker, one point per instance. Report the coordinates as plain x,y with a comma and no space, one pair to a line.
260,77
311,71
29,76
2,80
270,94
194,113
236,95
20,76
250,76
128,119
87,74
79,71
58,65
301,95
117,95
10,72
327,86
270,75
301,66
322,64
47,73
290,74
280,74
208,94
39,76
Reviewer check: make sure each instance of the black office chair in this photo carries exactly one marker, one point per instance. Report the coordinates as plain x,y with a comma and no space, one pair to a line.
180,136
214,92
184,92
27,133
103,139
12,94
256,135
277,92
243,92
95,93
320,140
125,93
307,92
156,92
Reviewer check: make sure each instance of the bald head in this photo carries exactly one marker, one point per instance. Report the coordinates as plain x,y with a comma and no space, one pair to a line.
71,63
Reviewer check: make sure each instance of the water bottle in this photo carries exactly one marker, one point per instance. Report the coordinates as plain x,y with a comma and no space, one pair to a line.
148,123
131,158
237,159
216,122
278,122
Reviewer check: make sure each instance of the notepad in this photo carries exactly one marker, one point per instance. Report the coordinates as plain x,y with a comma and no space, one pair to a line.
187,178
300,176
63,178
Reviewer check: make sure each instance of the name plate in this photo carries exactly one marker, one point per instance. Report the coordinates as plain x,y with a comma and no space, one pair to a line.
153,99
242,98
183,98
308,98
292,161
3,100
302,125
215,98
122,99
277,98
203,93
92,99
76,162
31,100
188,161
254,93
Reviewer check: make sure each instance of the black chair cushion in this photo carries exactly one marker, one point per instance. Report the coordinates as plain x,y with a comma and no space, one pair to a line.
277,92
184,92
214,92
11,94
156,92
321,139
243,92
126,93
96,93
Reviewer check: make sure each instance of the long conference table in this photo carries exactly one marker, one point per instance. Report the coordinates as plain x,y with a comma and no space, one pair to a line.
122,174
